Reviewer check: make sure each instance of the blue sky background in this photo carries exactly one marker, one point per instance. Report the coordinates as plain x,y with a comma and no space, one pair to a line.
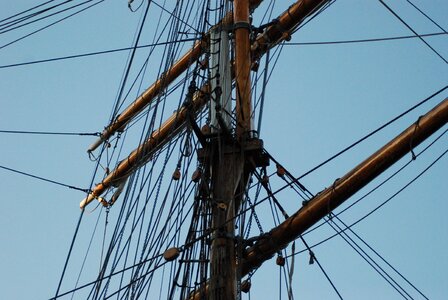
320,99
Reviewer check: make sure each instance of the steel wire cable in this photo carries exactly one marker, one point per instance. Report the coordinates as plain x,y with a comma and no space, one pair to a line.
51,24
428,17
382,182
11,23
25,11
413,31
367,258
102,52
382,204
382,258
44,179
313,257
5,29
50,133
370,40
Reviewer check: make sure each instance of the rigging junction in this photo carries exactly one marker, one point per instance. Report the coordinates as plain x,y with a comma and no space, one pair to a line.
238,151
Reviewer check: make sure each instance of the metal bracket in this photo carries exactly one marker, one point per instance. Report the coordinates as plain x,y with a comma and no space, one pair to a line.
239,25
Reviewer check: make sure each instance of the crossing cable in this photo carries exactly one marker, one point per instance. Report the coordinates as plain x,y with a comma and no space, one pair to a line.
75,235
362,139
384,181
428,17
5,27
251,207
25,11
95,53
394,38
174,16
379,206
413,31
381,257
132,282
87,252
105,277
314,258
78,225
195,39
49,25
129,63
343,234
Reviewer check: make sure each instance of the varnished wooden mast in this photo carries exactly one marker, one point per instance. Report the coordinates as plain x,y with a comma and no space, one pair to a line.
272,36
227,167
242,67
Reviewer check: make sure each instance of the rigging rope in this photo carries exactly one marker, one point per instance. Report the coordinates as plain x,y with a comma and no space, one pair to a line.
25,11
362,139
381,257
367,258
42,18
50,133
371,40
384,181
69,253
49,25
45,179
314,258
428,17
413,31
379,206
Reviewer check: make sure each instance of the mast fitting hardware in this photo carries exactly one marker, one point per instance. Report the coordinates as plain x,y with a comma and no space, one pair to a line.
241,24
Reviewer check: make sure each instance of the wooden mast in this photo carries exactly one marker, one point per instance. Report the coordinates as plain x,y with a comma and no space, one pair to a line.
151,93
230,159
270,37
227,167
242,68
329,199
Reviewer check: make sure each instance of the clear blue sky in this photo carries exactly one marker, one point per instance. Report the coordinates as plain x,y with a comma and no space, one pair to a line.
320,99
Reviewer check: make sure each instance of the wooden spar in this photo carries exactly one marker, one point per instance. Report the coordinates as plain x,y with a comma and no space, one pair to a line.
142,154
151,93
329,199
285,23
325,202
157,87
299,10
272,36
